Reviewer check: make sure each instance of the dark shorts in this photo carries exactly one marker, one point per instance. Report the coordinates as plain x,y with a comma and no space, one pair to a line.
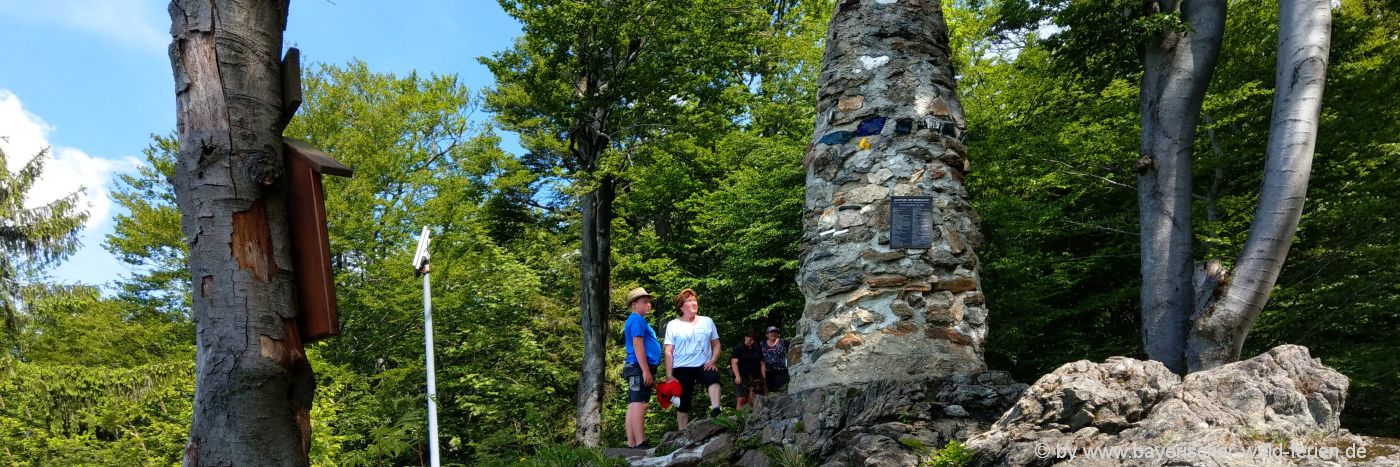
637,390
755,383
777,379
689,376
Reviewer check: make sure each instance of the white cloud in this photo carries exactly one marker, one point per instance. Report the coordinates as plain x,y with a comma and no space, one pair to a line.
23,135
130,22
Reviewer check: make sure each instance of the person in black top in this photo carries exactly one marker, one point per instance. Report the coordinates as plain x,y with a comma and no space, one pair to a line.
775,370
746,362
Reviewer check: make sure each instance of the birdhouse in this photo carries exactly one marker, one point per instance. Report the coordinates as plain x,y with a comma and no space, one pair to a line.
311,244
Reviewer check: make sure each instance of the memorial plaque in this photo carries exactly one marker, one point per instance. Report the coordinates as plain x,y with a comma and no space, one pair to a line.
911,222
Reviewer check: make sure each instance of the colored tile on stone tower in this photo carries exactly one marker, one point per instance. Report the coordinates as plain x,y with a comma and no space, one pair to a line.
836,137
871,126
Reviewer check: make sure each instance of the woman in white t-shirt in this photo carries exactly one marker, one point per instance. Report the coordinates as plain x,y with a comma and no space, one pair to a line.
691,347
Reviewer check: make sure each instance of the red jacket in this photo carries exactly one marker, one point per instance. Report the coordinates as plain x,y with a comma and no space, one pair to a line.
666,390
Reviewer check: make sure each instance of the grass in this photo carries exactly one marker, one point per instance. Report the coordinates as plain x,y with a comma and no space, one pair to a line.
788,456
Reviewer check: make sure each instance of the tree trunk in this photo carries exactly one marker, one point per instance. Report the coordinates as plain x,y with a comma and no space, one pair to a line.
1178,67
253,385
888,124
1304,36
597,269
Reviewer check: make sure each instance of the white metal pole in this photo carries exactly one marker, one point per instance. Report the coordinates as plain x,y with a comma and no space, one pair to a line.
432,380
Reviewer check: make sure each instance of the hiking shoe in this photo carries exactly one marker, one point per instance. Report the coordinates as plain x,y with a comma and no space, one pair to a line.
714,412
644,445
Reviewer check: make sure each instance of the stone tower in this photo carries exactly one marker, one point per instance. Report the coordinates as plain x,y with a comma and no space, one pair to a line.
888,124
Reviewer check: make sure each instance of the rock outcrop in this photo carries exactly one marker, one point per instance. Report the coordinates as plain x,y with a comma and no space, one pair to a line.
1279,408
883,423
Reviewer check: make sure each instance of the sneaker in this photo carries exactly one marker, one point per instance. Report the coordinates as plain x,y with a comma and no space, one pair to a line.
644,445
714,412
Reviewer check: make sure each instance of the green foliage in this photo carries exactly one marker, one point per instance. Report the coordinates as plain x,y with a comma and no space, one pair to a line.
1155,24
1054,130
1338,292
505,337
147,236
555,455
93,386
728,423
721,210
788,456
703,128
504,343
79,415
76,326
953,454
631,69
32,237
1053,183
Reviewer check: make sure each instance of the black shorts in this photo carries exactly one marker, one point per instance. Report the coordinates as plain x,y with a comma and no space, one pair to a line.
689,376
777,379
637,390
756,384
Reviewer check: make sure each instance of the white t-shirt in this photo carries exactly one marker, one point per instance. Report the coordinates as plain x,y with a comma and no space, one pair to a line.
691,341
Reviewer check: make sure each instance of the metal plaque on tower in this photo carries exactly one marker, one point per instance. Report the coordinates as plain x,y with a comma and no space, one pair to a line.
911,222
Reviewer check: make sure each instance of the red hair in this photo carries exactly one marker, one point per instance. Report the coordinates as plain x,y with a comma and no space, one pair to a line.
685,294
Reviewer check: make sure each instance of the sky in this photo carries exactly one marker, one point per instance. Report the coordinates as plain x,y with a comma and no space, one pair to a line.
91,80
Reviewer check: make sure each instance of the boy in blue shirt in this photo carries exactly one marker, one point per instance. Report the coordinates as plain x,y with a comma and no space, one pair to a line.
640,341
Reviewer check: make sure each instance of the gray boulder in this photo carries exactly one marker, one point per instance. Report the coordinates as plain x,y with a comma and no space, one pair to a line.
1279,408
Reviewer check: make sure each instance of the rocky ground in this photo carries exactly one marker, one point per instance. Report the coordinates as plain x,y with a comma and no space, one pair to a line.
876,423
1280,408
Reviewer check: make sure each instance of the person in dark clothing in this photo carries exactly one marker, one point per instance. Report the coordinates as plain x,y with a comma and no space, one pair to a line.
746,362
775,369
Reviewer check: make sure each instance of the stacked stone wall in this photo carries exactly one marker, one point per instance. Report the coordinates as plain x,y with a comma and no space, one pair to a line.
888,124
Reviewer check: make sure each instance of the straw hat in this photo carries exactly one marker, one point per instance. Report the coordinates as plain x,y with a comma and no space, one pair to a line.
635,294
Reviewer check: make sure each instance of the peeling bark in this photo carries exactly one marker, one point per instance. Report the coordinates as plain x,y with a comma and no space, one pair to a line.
253,385
1178,67
1217,336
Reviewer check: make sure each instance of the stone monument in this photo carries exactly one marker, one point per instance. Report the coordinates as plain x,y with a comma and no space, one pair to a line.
888,124
887,362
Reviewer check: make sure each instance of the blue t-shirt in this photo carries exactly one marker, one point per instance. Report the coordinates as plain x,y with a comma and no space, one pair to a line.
637,326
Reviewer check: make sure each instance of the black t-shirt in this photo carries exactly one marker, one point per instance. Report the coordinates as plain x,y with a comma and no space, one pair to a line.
750,359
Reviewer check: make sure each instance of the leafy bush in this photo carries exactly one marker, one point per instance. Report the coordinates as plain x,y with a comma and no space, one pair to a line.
954,454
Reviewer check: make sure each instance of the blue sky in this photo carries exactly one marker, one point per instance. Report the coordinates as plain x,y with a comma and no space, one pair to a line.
91,80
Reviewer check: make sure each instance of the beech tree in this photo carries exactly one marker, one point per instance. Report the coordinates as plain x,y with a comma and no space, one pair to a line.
1178,65
588,83
1196,316
253,385
1234,299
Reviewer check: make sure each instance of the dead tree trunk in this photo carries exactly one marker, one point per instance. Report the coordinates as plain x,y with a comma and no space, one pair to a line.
1304,37
253,385
889,124
1178,65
